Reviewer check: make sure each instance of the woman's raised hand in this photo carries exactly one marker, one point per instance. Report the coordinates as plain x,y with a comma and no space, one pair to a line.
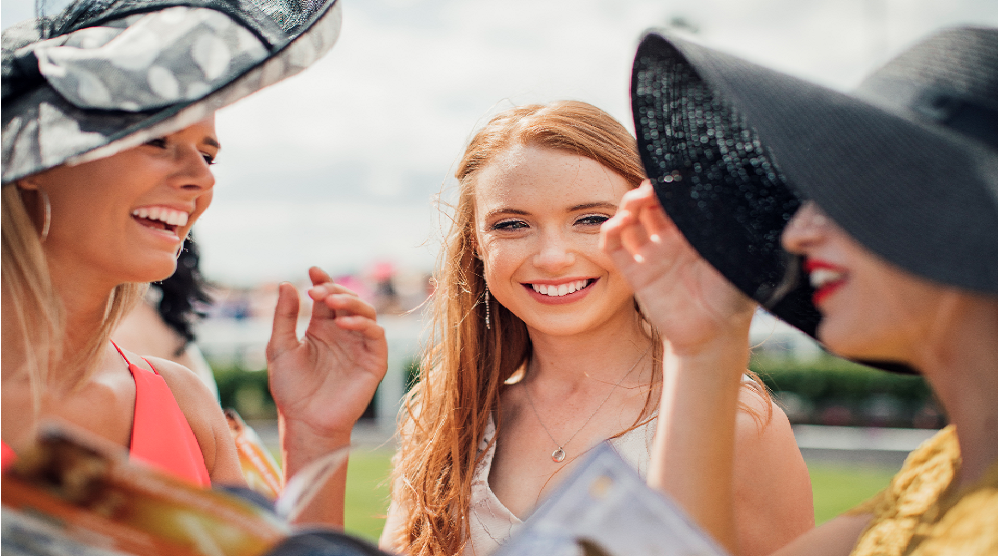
689,302
324,381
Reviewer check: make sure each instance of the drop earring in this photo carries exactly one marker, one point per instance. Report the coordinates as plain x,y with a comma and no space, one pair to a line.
487,307
46,216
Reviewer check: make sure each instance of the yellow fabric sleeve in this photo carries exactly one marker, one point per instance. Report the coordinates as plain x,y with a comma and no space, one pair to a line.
918,515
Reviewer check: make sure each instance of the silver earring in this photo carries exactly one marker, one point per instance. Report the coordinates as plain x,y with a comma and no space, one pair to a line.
46,216
487,307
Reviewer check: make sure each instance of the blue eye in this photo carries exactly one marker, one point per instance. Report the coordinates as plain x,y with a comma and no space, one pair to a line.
510,225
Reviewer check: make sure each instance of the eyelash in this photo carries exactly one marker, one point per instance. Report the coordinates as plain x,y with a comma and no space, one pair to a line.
587,220
161,143
600,219
506,225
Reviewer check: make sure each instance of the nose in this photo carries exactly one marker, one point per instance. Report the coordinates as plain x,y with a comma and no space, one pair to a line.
554,252
806,226
194,172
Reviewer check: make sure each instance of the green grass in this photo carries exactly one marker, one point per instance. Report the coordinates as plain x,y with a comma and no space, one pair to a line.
367,492
837,487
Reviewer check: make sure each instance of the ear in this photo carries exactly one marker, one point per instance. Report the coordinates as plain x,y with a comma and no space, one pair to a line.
474,245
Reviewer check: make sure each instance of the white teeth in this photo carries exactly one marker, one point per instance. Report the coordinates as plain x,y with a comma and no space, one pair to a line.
561,289
822,276
163,214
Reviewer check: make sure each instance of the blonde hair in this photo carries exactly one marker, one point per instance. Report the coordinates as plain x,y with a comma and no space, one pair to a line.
463,369
32,313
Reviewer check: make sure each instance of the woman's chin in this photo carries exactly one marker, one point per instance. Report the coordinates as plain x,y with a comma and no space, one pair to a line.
153,270
857,343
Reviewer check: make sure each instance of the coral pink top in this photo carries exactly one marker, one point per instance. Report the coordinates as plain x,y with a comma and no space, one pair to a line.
161,435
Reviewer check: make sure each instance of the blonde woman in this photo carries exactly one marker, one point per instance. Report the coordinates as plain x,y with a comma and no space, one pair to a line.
107,153
539,353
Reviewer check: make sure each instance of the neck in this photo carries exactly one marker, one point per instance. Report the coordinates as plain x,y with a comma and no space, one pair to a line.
960,363
603,354
84,301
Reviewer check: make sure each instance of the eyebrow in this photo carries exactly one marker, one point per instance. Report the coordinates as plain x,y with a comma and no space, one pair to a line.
585,206
506,211
211,142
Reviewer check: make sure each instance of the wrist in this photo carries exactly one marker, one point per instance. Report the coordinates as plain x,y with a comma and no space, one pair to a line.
302,443
724,351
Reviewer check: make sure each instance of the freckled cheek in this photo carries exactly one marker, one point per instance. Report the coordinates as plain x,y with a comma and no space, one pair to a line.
501,263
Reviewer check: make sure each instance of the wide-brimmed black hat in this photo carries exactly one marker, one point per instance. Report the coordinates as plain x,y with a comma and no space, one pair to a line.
906,164
101,76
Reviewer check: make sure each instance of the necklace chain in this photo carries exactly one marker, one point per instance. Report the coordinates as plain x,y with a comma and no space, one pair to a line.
559,454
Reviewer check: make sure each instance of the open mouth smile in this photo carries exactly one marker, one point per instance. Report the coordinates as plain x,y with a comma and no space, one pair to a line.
566,292
825,278
161,218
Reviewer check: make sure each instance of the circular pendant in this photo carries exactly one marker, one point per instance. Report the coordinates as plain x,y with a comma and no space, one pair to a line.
558,455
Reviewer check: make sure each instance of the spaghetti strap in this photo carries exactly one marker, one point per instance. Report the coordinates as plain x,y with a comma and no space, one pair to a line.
161,434
122,353
155,372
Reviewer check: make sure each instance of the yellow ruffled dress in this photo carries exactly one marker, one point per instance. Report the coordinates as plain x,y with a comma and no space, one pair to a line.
920,514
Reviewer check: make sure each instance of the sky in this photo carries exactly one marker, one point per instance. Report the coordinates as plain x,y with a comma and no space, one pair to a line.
339,166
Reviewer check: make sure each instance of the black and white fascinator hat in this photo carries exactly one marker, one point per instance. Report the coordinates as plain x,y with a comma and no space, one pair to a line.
101,76
906,164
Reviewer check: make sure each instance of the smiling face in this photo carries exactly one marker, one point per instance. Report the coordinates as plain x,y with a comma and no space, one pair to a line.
122,218
538,214
871,308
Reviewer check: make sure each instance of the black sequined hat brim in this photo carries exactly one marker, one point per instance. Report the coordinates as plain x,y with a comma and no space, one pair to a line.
717,181
731,186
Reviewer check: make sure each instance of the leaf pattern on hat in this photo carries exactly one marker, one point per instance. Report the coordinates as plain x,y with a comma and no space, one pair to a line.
177,54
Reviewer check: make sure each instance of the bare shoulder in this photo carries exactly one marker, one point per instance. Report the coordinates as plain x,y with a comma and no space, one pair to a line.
192,396
203,414
763,433
772,490
183,382
760,419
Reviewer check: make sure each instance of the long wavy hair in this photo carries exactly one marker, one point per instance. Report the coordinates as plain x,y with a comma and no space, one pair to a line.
465,365
32,312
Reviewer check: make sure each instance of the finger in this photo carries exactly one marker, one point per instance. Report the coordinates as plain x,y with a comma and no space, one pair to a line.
614,247
318,276
611,230
286,314
367,327
635,236
347,306
655,219
638,197
322,291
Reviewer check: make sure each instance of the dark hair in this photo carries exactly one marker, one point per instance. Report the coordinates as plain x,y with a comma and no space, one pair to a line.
184,293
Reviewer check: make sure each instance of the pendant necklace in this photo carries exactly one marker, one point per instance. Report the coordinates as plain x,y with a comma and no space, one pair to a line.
559,454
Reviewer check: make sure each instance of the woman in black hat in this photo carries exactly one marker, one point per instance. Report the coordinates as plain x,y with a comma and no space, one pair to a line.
892,262
108,139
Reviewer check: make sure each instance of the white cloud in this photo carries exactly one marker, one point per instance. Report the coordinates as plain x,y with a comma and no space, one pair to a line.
338,164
